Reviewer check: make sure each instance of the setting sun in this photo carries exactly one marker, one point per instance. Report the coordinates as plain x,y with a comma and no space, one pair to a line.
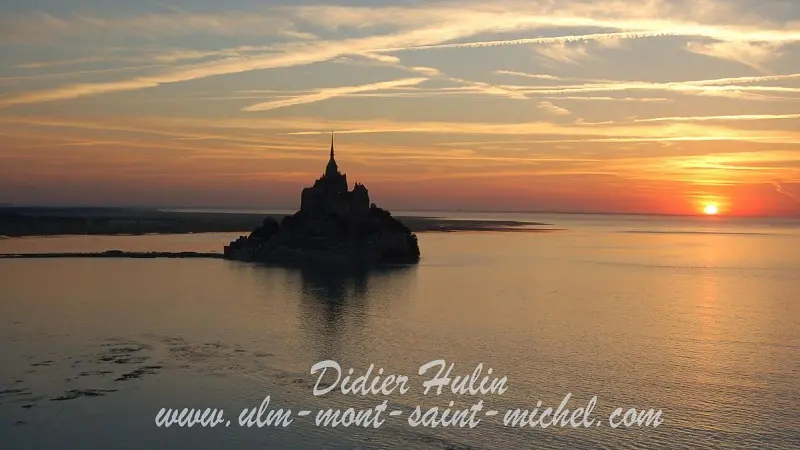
711,209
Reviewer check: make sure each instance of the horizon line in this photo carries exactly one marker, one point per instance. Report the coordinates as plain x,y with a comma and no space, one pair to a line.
426,210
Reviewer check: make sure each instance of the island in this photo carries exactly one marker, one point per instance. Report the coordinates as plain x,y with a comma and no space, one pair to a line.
334,225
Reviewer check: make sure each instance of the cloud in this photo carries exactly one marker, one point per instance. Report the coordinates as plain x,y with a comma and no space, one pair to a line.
76,73
780,189
329,93
614,99
747,80
753,54
535,76
60,62
714,87
32,27
389,29
707,82
546,77
553,109
431,72
305,54
490,89
557,40
428,71
740,117
201,128
720,20
287,55
567,53
583,132
237,143
394,61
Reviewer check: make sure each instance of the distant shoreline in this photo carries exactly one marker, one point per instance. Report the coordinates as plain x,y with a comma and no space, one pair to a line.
29,221
111,254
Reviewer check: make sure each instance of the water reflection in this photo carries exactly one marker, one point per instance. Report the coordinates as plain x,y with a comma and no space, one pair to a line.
337,306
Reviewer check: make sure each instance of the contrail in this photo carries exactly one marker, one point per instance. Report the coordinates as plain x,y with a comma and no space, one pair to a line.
540,40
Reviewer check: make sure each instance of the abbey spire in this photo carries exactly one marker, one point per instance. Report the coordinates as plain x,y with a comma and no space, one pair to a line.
332,170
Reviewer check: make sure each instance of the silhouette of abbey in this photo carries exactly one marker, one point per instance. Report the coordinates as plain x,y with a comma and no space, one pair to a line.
334,225
329,194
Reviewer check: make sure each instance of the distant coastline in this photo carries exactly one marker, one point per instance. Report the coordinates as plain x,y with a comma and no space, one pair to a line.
56,221
111,254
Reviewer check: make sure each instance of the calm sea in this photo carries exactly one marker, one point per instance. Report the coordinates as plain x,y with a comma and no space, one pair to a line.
698,318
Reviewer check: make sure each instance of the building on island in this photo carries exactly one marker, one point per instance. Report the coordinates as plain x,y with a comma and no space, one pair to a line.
334,225
330,194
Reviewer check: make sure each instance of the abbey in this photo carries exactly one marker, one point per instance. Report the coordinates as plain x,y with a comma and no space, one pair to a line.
334,225
329,194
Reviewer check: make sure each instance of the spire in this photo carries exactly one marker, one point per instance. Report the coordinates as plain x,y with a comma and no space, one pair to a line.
332,169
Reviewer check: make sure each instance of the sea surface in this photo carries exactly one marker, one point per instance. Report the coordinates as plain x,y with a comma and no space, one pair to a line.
696,317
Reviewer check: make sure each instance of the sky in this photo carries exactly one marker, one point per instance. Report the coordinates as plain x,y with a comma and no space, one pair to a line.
623,106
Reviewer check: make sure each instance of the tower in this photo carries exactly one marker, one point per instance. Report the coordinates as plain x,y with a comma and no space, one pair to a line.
332,169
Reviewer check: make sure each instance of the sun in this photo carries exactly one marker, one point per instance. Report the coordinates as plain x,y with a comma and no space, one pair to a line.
711,209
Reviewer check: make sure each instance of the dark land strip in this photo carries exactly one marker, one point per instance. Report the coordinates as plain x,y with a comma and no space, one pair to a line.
47,221
111,254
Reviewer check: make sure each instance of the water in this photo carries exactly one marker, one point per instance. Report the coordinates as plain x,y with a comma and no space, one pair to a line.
698,318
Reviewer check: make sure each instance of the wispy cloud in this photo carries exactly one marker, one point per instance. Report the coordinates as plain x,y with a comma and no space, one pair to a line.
490,89
243,142
186,73
613,99
550,132
553,109
585,132
706,82
780,189
46,27
557,40
753,54
747,80
59,62
739,117
567,53
283,56
431,72
77,73
411,27
723,87
535,76
329,93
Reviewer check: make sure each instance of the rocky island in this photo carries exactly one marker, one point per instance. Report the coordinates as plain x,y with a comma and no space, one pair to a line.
335,225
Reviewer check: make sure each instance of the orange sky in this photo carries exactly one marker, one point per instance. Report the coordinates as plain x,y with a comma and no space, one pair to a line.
603,106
